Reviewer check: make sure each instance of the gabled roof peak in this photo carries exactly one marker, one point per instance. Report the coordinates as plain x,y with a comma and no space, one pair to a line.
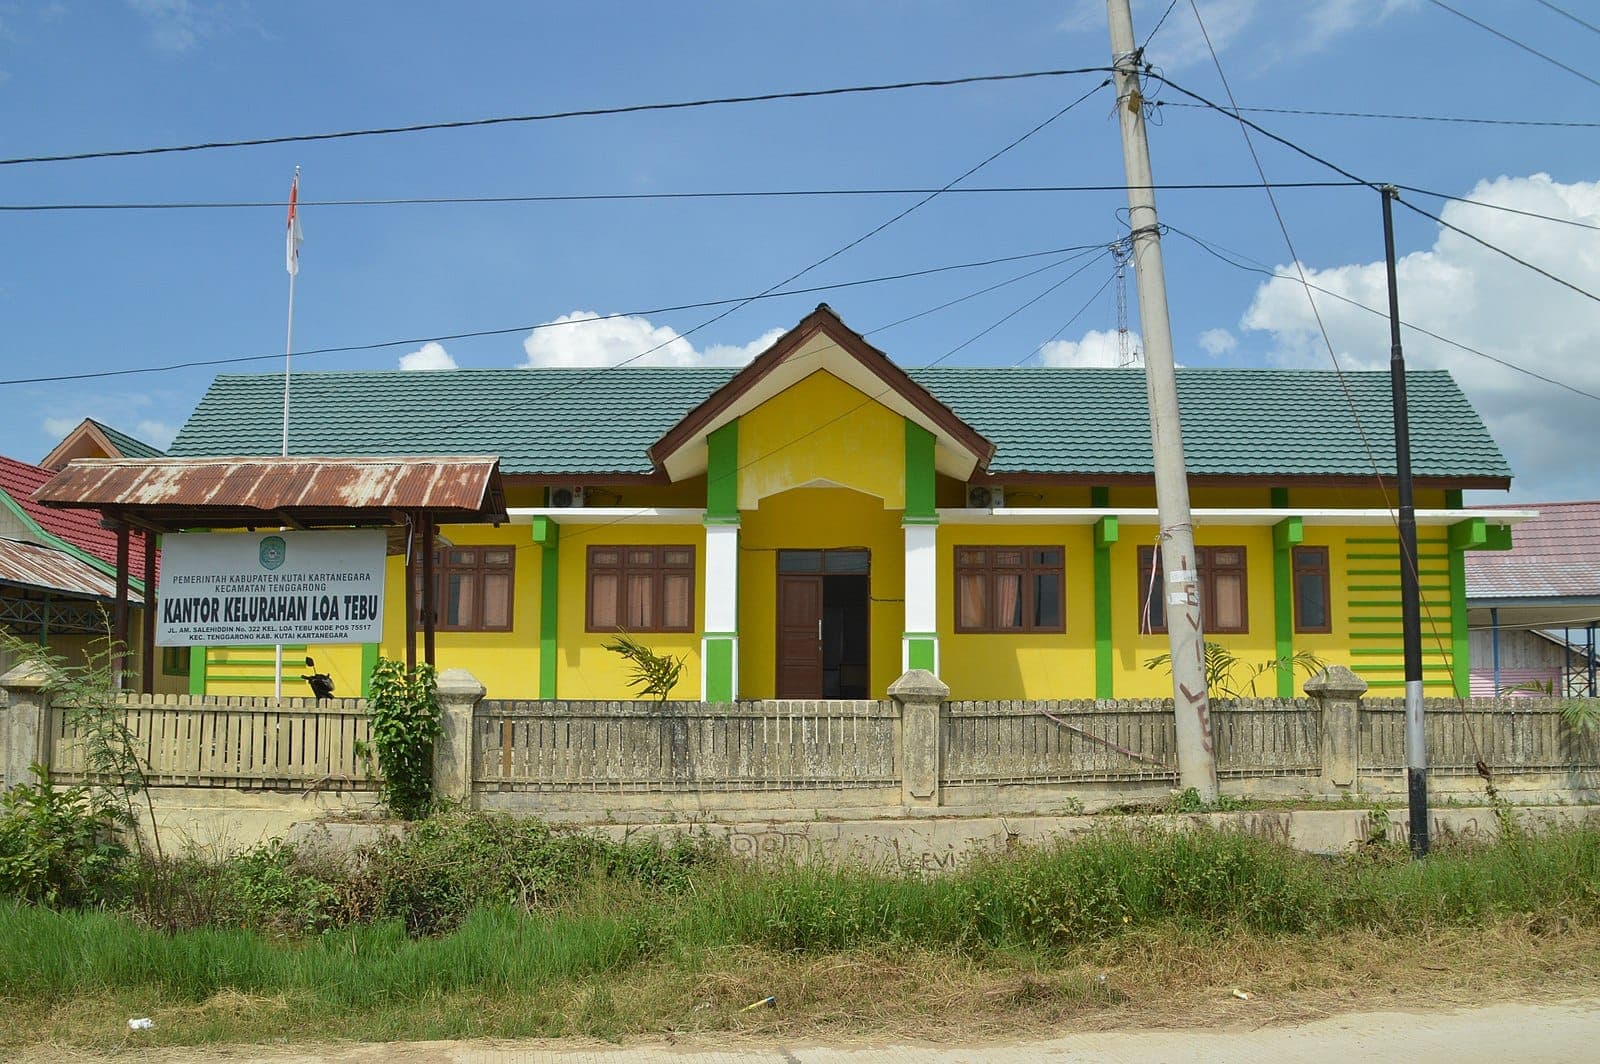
822,341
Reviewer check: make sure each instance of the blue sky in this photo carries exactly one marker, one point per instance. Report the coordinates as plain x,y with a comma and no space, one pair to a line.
83,292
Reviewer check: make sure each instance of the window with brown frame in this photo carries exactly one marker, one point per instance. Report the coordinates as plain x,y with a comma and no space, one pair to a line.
1224,597
1010,589
641,589
472,589
1312,609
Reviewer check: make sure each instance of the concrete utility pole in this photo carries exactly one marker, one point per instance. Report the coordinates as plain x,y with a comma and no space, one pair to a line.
1197,766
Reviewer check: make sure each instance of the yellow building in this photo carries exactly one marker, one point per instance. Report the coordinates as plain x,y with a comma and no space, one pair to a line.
817,522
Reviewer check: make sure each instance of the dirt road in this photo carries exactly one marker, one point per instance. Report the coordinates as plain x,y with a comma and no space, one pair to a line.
1521,1032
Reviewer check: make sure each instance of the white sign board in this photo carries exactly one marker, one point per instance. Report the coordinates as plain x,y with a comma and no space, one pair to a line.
270,587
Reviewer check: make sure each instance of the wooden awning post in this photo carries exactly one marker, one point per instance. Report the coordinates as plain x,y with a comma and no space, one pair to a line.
147,634
429,606
413,602
119,614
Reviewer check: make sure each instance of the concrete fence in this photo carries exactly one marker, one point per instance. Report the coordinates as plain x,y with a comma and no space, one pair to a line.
916,752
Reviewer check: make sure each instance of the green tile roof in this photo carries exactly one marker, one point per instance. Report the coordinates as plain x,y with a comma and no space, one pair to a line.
1088,421
127,445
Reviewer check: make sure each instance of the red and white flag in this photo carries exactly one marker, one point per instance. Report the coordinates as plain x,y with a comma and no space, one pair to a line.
294,226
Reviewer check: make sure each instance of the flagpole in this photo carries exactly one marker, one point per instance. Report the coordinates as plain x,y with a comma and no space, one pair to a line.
293,265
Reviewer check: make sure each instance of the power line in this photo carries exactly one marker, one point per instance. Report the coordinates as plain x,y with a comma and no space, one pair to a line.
802,272
1237,117
1087,303
418,341
1563,12
1307,153
1541,271
1500,207
1162,21
749,462
990,288
1223,254
1513,41
549,116
605,197
1294,255
1407,542
1397,117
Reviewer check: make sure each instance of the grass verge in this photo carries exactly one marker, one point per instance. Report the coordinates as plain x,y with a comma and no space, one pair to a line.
482,927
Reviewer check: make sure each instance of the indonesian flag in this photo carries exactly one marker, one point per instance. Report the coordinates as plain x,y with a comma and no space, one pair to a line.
294,226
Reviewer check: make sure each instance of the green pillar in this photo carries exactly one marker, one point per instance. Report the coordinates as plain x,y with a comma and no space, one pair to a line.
1472,534
197,670
719,643
1285,534
722,474
369,661
547,534
921,504
1105,534
920,636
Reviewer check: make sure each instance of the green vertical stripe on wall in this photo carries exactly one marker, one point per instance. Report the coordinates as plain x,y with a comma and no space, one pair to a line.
920,502
1460,652
197,670
1105,534
1285,534
369,661
722,474
547,534
1099,497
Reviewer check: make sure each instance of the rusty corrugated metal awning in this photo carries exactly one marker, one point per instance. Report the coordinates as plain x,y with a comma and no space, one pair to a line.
32,566
167,494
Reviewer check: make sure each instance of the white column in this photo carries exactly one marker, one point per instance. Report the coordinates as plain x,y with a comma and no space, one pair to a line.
919,645
719,644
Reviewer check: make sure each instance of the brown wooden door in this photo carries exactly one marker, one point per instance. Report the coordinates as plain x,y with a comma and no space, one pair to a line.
799,635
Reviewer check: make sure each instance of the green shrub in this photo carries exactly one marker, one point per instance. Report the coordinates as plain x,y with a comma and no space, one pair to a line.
56,846
433,873
404,711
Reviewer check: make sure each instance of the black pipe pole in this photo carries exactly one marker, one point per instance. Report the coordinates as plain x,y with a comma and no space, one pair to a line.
1410,597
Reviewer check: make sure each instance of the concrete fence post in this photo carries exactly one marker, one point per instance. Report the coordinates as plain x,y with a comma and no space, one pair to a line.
921,696
1337,692
26,731
459,693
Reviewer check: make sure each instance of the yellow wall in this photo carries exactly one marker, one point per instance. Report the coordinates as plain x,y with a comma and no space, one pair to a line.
822,428
817,519
507,663
586,670
1053,665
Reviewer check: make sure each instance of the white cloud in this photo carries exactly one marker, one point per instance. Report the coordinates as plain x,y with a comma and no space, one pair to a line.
174,25
1464,291
1294,28
584,338
1099,349
1215,342
118,413
430,355
179,26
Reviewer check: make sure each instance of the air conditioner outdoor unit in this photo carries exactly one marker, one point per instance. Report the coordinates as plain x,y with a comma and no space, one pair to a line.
985,496
561,498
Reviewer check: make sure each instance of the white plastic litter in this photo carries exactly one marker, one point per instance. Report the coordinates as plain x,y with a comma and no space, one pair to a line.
143,1023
